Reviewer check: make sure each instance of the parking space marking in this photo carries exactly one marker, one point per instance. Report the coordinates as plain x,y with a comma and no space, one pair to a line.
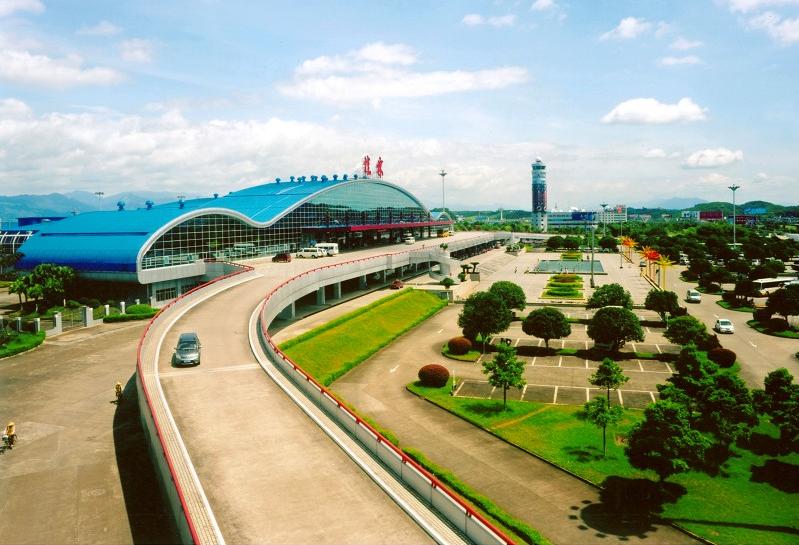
555,396
640,365
491,392
753,344
634,348
621,399
518,339
648,331
539,342
393,369
586,363
563,344
587,396
457,391
716,316
533,364
668,367
659,350
652,395
586,345
560,361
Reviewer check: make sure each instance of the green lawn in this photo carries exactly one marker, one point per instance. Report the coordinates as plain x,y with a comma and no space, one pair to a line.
20,343
791,333
726,509
331,350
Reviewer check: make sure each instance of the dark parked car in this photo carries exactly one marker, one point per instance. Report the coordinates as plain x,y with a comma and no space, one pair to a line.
187,352
282,258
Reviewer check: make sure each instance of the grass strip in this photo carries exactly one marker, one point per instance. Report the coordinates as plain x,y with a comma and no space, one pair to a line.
736,507
728,306
470,356
787,334
331,350
21,342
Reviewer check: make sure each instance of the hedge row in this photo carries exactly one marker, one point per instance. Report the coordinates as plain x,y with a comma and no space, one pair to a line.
113,318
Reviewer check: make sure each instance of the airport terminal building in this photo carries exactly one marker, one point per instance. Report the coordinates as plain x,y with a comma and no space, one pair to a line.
165,250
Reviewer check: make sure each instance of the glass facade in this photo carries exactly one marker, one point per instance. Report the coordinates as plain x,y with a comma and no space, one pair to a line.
352,215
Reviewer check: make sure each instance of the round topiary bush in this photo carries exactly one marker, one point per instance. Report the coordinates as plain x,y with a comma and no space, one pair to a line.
433,375
762,315
777,324
459,346
722,356
712,287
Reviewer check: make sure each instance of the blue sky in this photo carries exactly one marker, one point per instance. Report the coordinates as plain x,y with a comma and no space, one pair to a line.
626,102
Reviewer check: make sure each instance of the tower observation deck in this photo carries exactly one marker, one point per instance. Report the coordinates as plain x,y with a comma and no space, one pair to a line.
539,211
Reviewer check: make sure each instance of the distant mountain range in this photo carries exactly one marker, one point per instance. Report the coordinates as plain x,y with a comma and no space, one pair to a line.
674,203
65,204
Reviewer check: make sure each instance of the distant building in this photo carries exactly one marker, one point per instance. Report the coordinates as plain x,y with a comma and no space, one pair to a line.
704,215
571,218
616,214
539,216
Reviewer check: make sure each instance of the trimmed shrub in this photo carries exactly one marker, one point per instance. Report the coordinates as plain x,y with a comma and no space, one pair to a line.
433,375
729,297
722,356
708,342
777,324
459,345
712,287
762,315
93,303
140,309
679,311
73,304
112,318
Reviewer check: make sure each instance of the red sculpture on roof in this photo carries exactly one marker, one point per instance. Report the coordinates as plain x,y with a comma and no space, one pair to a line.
379,167
367,171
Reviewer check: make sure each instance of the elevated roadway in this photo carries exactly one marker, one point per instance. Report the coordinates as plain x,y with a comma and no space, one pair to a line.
250,465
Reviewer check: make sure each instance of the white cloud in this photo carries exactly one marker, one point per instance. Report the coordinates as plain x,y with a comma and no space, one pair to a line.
103,28
683,44
7,7
784,31
21,67
136,50
475,19
651,111
543,5
11,107
628,28
710,158
380,71
674,61
655,153
714,178
745,6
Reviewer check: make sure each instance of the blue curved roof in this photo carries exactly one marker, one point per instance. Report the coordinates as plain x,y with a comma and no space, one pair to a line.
110,241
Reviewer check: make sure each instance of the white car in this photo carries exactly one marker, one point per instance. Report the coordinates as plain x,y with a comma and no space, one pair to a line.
410,240
723,325
693,296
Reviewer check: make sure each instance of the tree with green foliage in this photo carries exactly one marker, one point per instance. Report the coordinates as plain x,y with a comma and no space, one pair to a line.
780,401
610,295
665,442
447,282
554,242
19,287
744,289
613,326
602,414
662,302
571,243
700,266
601,411
505,371
608,243
547,323
685,330
49,281
512,294
784,301
484,313
609,376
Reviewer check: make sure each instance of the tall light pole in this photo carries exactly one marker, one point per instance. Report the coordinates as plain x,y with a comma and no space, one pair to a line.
99,198
604,205
442,174
734,245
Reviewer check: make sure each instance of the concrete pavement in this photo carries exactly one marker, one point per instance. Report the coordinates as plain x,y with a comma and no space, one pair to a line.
80,472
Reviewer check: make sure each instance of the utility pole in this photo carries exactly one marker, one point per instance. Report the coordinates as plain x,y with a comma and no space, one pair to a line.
604,206
442,174
734,245
99,198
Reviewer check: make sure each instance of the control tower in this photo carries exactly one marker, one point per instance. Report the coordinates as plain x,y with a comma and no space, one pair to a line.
539,216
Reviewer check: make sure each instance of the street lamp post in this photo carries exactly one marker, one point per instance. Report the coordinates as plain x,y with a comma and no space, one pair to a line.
733,188
621,251
604,206
442,174
99,198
